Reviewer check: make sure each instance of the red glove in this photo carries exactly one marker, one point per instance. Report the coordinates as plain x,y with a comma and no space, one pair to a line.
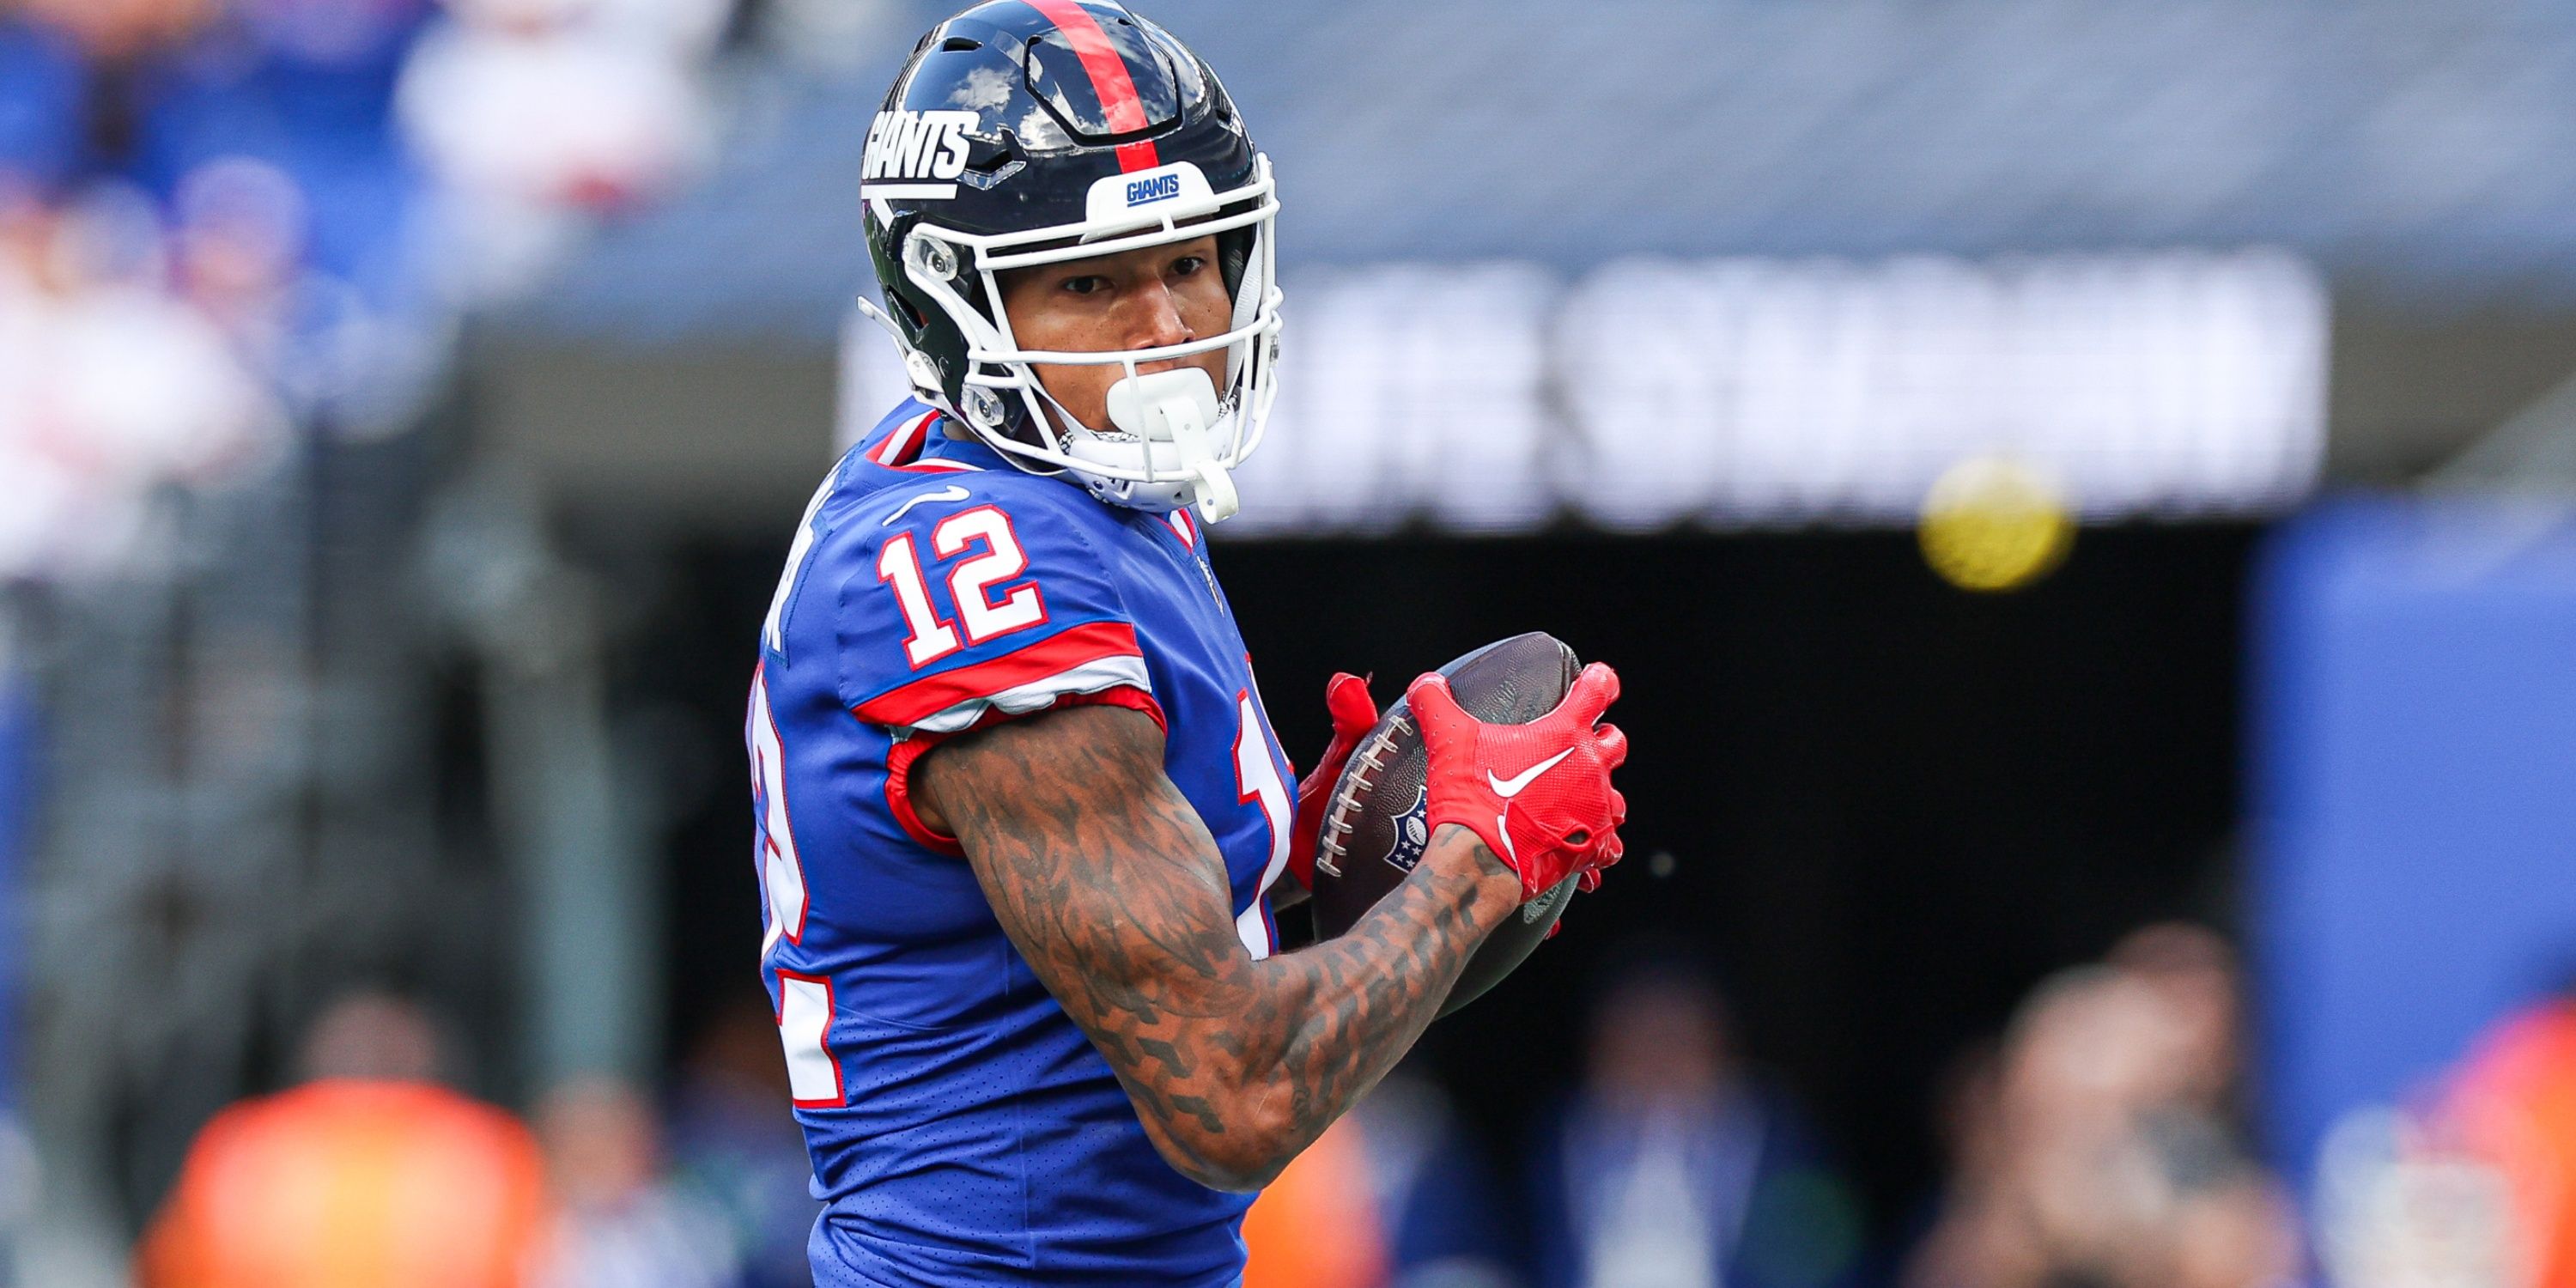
1538,794
1354,713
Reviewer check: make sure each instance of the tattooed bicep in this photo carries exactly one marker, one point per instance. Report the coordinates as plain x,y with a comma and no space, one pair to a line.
1061,750
1097,867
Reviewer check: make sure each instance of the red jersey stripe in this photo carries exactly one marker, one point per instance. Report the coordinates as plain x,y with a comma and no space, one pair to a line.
900,757
910,704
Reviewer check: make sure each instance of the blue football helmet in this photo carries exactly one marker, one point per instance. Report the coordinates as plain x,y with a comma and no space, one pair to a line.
1030,132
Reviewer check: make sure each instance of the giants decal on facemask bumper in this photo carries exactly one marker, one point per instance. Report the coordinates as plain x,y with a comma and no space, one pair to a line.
916,154
1144,193
1163,188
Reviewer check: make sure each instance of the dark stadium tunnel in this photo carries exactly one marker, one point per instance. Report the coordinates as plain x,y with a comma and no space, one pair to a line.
1889,806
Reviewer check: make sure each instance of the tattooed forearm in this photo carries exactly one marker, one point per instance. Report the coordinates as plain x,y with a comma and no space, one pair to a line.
1111,887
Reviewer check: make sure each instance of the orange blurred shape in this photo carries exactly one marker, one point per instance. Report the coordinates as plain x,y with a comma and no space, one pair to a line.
2514,1104
1317,1225
346,1184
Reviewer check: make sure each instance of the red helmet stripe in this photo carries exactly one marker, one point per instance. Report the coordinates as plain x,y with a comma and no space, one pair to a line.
1140,155
1109,78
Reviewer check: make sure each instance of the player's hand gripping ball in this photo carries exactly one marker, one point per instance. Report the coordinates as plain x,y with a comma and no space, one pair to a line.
1493,716
1538,794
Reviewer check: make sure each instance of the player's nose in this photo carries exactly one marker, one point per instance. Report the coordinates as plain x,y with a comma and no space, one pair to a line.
1157,323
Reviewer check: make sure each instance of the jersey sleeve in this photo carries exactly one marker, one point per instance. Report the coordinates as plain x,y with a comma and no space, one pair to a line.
965,609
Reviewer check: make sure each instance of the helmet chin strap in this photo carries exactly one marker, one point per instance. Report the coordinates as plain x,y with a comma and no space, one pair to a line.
1179,407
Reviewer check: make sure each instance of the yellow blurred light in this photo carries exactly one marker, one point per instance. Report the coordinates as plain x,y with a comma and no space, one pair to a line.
1991,524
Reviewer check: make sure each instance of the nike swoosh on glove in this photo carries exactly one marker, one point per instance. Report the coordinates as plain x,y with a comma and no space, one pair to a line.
1538,794
1354,712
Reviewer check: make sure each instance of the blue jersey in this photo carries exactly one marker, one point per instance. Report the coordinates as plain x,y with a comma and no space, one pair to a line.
962,1129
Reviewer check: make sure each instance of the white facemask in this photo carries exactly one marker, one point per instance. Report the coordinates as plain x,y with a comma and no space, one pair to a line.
1173,436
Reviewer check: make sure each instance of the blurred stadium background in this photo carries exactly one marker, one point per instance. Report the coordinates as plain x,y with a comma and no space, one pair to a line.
2080,495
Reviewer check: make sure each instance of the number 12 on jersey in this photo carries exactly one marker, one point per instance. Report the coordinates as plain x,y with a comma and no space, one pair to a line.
970,584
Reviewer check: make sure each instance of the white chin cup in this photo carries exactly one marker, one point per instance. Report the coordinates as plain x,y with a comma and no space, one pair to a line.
1169,423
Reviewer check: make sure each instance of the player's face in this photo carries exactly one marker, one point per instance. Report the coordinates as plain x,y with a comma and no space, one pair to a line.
1139,299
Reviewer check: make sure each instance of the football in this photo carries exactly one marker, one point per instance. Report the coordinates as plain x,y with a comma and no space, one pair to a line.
1374,825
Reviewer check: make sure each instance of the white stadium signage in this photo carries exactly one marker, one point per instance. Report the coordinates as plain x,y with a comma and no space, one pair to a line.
1651,394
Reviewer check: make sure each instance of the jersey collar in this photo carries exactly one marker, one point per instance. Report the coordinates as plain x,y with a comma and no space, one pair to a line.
915,440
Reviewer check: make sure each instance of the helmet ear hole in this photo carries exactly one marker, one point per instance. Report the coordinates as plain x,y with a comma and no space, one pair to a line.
929,257
984,407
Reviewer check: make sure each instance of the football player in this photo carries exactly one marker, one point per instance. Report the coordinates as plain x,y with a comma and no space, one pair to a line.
1020,810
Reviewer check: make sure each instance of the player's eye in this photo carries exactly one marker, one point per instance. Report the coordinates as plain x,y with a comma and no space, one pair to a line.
1086,284
1188,265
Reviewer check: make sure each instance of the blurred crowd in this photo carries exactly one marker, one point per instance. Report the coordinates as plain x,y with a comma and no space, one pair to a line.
2099,1142
371,1171
1671,1165
224,222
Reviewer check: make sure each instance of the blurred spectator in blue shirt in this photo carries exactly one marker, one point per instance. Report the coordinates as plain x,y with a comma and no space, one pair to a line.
1435,1199
67,72
307,87
42,88
1672,1167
